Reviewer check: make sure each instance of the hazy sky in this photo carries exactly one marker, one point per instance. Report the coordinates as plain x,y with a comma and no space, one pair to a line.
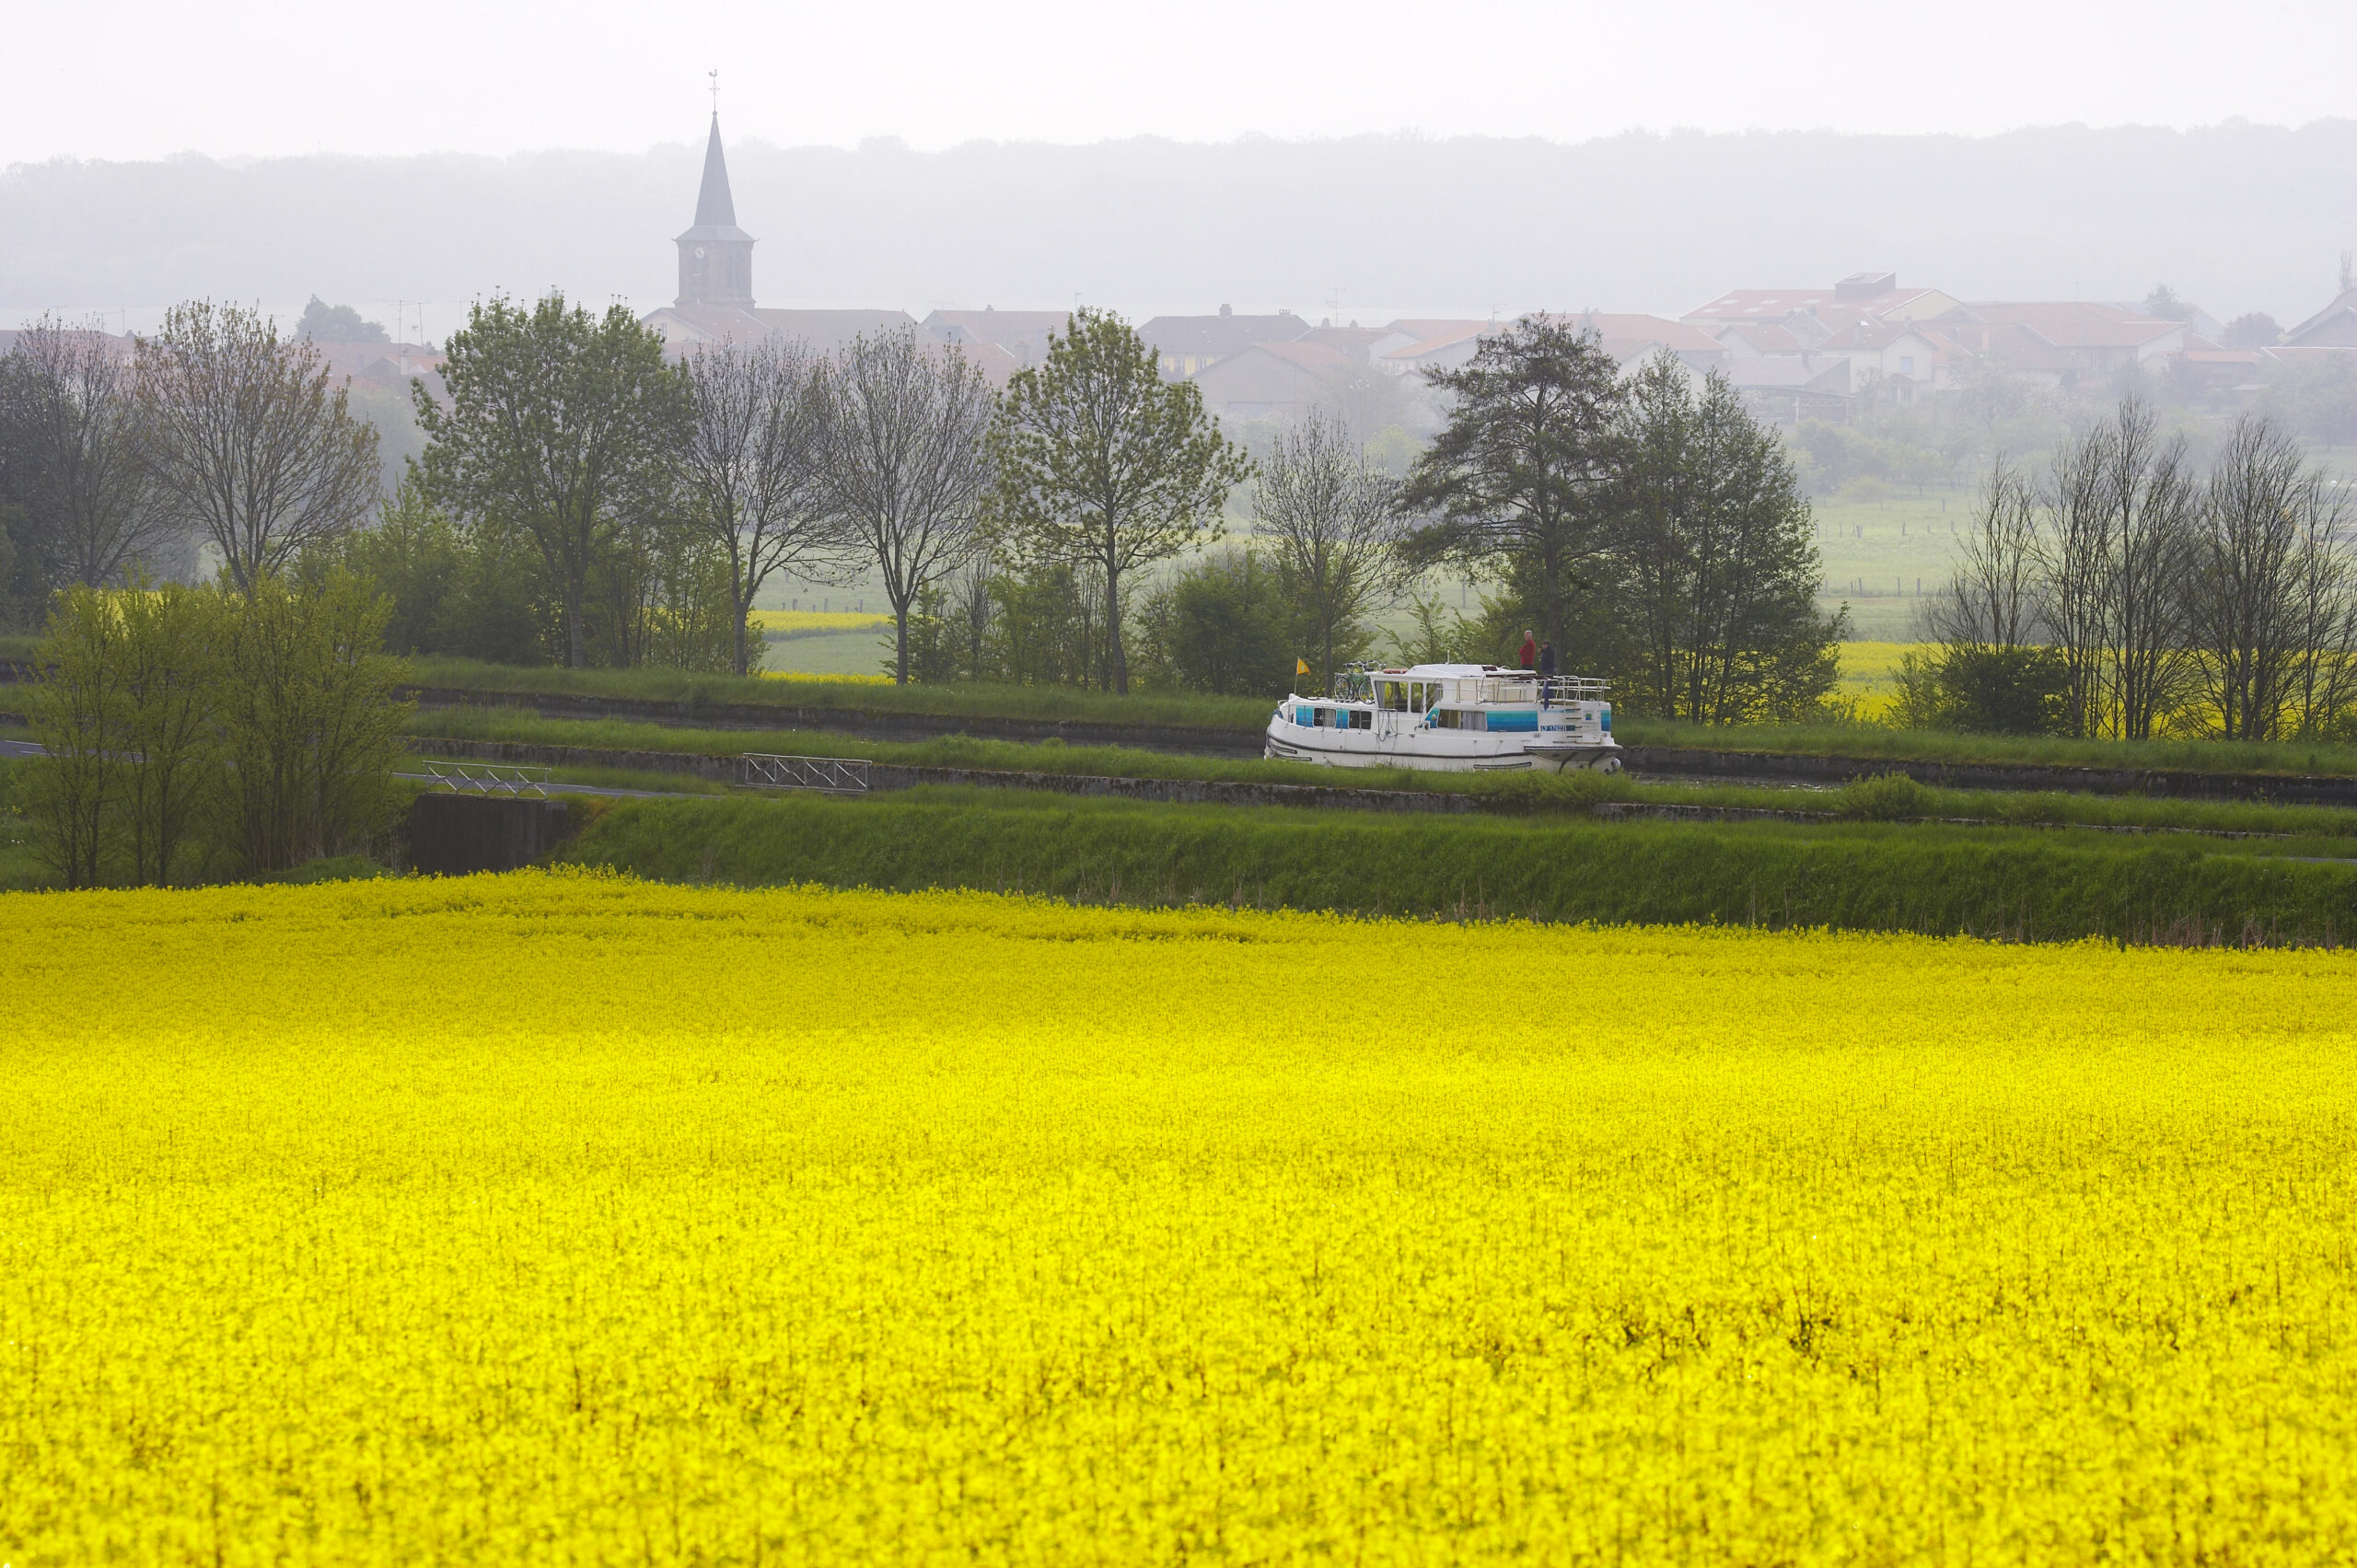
144,78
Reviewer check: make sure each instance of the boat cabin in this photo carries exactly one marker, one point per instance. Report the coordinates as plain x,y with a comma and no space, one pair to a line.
1482,697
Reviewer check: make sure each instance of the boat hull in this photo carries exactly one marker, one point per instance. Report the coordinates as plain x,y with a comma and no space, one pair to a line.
1439,752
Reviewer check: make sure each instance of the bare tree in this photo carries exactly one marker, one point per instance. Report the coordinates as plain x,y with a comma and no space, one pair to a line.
749,466
2240,595
971,609
1335,528
908,464
71,455
2272,603
2114,559
2151,493
2072,562
2323,610
1991,600
246,441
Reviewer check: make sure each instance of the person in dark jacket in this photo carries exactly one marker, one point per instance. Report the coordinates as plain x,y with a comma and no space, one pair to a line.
1528,657
1547,660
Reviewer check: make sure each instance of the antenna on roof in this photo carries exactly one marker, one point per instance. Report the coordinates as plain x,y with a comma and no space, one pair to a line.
714,75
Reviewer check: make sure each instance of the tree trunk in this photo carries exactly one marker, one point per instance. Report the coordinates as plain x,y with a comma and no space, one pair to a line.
900,643
743,612
574,590
1117,665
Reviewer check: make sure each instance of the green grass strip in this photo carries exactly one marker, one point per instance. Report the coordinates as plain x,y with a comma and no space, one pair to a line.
2021,887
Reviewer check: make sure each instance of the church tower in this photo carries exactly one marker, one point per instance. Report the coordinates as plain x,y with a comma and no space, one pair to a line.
715,256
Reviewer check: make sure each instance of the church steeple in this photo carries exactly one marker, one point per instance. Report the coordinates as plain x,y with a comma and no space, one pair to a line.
715,256
715,207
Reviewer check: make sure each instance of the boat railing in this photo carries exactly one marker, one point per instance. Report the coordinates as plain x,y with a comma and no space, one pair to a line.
1550,689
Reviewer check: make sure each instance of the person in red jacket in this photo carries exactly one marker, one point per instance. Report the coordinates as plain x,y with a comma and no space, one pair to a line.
1530,658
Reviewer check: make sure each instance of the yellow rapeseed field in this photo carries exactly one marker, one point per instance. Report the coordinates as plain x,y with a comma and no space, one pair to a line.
808,621
566,1219
1870,670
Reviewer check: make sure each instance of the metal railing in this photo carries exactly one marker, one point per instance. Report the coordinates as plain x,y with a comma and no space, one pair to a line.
840,775
488,778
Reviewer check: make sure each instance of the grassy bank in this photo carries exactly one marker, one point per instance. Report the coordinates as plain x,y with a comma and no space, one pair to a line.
1251,714
1863,878
1948,746
1246,716
18,868
1514,792
1054,704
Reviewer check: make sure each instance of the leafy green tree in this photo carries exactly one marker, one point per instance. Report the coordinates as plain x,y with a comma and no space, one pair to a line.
1520,479
328,323
471,590
1100,461
79,720
309,723
1221,627
172,653
560,426
1715,558
1045,626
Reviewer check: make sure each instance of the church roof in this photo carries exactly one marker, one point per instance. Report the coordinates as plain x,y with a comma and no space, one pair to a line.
715,207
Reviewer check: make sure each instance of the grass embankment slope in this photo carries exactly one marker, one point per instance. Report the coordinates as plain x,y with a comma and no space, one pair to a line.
19,866
970,699
1863,877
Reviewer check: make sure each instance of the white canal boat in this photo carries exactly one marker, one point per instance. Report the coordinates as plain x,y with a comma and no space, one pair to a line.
1457,717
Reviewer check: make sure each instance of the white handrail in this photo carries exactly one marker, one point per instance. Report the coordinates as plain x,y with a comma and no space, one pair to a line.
490,779
839,775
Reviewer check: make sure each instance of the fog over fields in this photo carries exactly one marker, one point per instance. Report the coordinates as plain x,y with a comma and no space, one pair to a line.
2237,216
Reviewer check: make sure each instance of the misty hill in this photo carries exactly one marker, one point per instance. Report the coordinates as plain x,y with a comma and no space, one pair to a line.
2237,217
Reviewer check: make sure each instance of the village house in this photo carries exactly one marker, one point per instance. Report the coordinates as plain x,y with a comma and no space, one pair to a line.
1185,345
1279,380
1814,315
2334,326
1021,335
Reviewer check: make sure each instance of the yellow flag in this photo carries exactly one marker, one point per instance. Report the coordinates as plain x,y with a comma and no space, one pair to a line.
1301,667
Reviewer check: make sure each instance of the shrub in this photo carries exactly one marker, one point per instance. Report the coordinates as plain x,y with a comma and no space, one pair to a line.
2005,691
1886,797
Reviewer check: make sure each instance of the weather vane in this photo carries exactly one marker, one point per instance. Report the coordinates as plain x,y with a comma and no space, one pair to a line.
714,75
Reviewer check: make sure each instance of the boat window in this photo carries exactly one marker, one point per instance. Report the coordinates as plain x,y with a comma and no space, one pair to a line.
1325,718
1362,719
1394,695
